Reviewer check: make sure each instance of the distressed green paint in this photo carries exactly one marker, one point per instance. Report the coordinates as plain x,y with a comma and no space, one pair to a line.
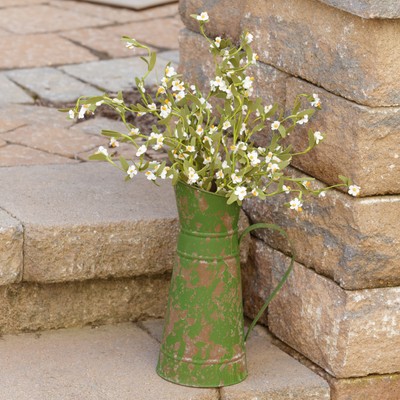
203,341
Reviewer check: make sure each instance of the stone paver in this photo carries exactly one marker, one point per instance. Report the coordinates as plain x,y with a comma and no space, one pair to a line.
46,19
93,126
12,93
63,142
135,4
115,75
108,362
11,249
105,227
14,3
273,375
52,85
26,51
13,154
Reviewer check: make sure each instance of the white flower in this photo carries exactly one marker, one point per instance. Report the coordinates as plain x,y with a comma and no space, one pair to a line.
141,87
71,114
150,175
161,90
202,17
165,110
141,150
236,179
169,72
117,101
248,38
242,146
177,85
135,131
193,177
296,204
248,82
275,125
193,88
113,142
130,46
207,139
354,190
267,109
217,41
226,125
213,129
164,173
244,109
207,160
254,192
164,79
190,149
272,168
131,171
286,189
82,111
318,137
317,101
269,156
253,158
152,107
102,150
240,192
302,121
322,194
220,174
225,165
181,95
199,130
99,103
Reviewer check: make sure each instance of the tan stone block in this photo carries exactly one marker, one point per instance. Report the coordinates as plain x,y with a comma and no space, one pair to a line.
2,143
11,249
361,142
269,83
63,142
37,50
382,387
14,154
348,333
354,241
354,57
225,16
44,18
13,3
31,307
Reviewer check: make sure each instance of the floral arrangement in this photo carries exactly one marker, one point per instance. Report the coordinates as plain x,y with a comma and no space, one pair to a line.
209,135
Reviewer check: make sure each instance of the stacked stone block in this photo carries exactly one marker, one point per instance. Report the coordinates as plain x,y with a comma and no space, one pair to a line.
341,306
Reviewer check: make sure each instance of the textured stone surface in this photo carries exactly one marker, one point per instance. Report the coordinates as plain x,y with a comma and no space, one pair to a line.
31,306
11,93
13,154
269,83
225,16
115,75
85,222
135,4
64,142
36,50
46,19
368,8
328,47
348,333
354,241
361,142
11,249
382,387
51,85
108,362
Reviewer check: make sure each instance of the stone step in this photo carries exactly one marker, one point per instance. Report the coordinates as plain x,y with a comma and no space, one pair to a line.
118,362
80,245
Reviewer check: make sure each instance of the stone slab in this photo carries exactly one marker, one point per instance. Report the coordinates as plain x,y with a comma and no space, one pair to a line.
63,142
107,362
105,227
94,126
11,249
14,3
134,4
115,75
368,8
37,50
45,19
52,85
31,307
354,241
15,155
327,47
361,142
273,374
348,333
12,93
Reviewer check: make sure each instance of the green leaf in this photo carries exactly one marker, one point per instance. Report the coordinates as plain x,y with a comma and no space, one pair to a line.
124,163
232,198
152,62
98,157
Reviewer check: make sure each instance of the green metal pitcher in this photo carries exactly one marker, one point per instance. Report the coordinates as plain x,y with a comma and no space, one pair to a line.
203,340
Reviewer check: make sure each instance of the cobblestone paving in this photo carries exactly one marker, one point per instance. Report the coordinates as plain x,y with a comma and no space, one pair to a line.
54,51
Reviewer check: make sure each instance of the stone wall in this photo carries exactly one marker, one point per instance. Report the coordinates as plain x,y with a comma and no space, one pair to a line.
341,306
